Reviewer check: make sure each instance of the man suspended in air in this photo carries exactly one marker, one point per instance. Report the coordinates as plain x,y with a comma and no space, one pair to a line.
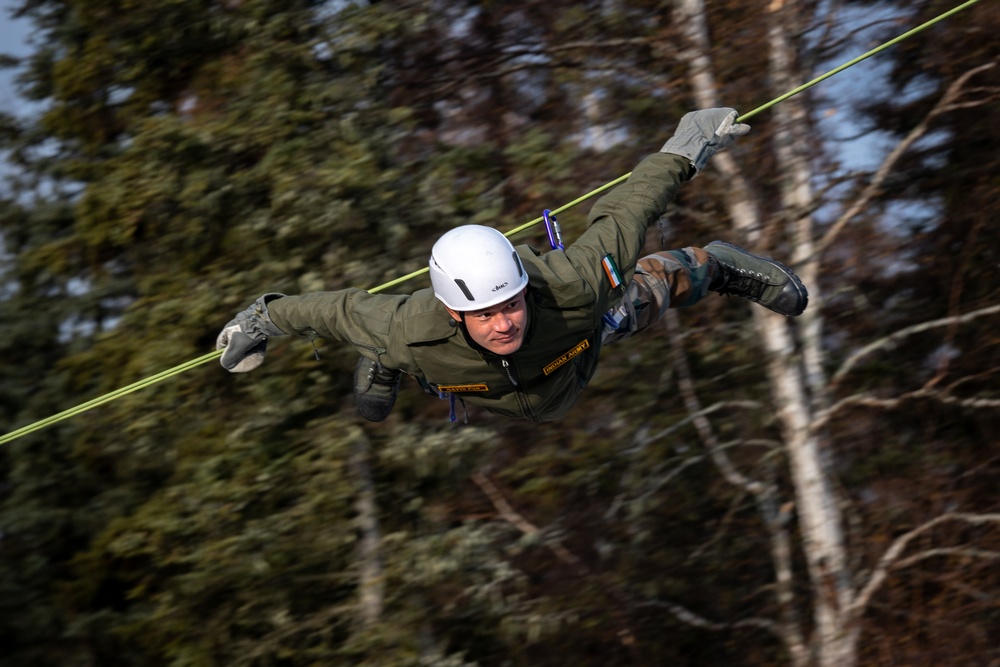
518,332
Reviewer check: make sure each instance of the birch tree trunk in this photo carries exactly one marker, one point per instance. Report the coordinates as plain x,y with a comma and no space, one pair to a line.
792,372
371,586
820,518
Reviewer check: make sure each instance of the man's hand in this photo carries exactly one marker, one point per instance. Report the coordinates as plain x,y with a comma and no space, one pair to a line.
702,134
245,337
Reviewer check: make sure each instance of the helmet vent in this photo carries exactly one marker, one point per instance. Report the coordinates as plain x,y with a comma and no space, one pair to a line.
465,290
520,269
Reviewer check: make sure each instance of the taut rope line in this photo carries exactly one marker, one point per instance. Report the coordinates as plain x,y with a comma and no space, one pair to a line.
176,370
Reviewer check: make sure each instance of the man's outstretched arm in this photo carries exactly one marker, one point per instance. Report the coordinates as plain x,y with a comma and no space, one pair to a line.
354,316
620,219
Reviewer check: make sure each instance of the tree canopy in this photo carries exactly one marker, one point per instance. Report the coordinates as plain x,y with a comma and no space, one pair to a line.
191,155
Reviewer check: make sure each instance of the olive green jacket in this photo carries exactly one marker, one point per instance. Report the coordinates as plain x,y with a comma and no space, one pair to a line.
568,294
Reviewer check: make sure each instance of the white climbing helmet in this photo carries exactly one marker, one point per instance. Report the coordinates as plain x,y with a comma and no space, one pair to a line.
474,267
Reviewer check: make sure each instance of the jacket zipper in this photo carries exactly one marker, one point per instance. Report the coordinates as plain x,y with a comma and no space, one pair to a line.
510,374
522,400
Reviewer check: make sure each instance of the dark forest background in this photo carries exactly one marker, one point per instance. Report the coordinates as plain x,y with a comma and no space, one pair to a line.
190,155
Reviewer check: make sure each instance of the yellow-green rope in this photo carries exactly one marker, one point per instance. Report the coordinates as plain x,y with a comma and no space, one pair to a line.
107,398
177,370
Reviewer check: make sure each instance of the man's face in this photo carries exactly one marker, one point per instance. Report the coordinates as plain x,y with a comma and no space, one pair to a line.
500,328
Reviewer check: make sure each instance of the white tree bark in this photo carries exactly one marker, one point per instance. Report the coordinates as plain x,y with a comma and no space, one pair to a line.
371,578
799,386
765,494
820,519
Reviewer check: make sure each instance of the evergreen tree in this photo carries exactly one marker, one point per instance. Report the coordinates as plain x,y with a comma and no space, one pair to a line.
194,155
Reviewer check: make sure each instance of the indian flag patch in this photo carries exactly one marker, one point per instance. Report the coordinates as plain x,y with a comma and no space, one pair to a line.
611,269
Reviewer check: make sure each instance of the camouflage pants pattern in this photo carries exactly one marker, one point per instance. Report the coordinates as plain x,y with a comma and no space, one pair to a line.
668,279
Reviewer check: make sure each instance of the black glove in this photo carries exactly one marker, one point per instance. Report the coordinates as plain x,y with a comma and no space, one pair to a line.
245,337
702,134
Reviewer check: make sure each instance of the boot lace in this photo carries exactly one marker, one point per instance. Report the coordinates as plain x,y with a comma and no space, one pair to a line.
379,374
742,283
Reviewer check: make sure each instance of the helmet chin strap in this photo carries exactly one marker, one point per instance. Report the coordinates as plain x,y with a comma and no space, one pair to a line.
460,323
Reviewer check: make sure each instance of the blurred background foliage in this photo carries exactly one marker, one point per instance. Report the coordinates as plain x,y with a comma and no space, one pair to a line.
191,155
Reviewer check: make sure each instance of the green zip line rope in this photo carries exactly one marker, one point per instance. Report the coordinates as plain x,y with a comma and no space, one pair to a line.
177,370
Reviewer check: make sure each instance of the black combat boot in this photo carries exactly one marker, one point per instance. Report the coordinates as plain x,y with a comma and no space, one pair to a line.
759,279
375,389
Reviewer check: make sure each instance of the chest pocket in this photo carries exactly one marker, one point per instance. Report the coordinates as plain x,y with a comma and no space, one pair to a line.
555,280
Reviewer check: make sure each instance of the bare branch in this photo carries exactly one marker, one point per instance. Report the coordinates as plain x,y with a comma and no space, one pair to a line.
721,529
947,102
946,551
271,642
686,386
508,514
890,559
867,400
511,516
505,62
965,258
972,592
687,616
890,341
657,482
972,378
700,414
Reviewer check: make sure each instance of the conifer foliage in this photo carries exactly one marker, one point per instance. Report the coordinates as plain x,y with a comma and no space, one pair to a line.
190,155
